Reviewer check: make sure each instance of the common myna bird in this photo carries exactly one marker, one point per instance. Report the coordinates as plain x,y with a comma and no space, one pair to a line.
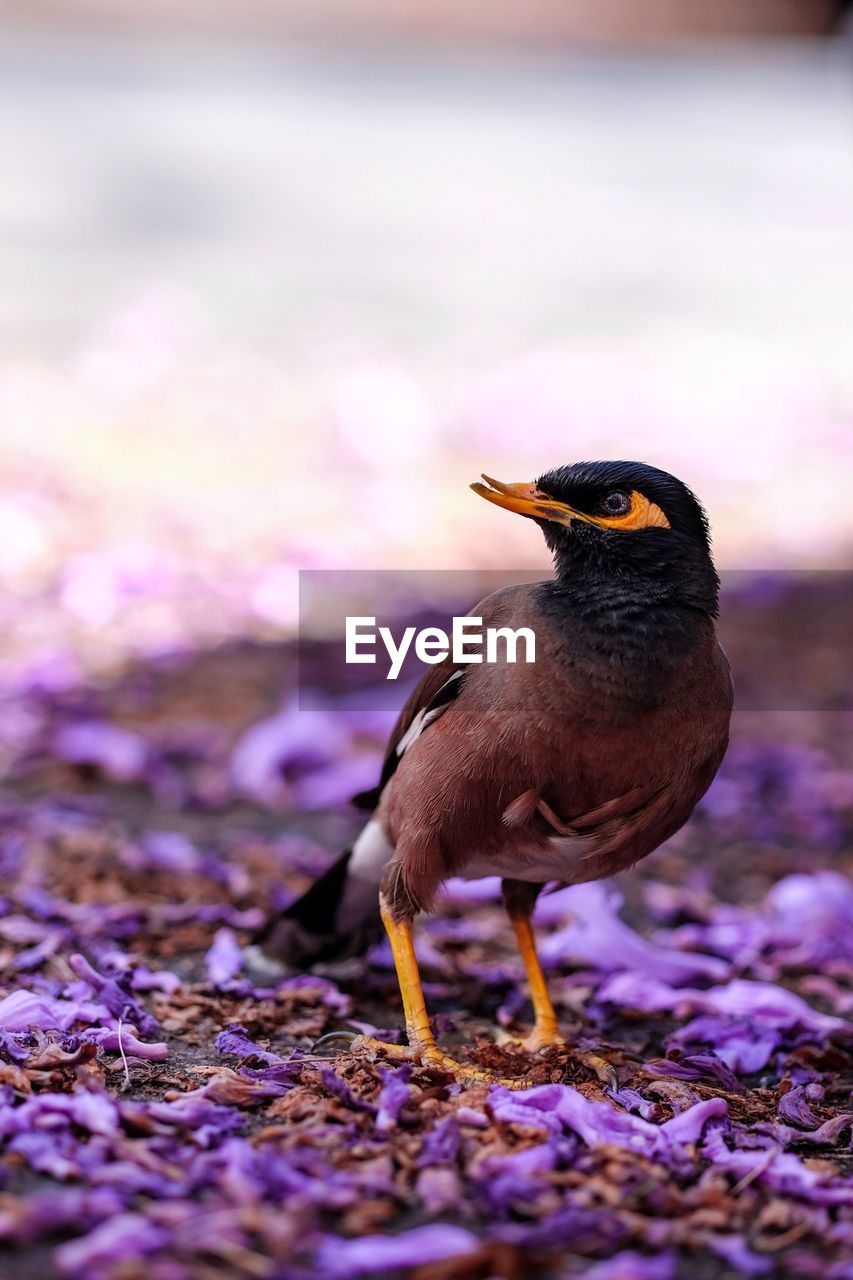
561,771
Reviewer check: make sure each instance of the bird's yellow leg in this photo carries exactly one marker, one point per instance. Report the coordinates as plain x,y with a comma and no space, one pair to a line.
545,1030
422,1044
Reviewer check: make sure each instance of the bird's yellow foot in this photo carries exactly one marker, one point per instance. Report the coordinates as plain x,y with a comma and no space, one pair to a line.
541,1039
538,1039
430,1055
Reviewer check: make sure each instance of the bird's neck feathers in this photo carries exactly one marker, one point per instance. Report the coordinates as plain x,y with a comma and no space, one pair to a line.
648,571
642,603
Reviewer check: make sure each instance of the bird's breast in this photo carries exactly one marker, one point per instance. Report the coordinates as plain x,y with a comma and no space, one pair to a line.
560,858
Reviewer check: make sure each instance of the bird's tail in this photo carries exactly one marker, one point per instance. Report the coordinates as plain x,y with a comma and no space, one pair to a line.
337,917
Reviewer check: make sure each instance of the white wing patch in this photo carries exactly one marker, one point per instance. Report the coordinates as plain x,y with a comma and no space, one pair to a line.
425,717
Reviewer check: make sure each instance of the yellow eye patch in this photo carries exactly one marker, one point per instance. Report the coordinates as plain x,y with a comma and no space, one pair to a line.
642,514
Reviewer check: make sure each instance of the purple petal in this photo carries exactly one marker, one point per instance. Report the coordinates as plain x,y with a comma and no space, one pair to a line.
171,851
741,1045
235,1039
332,996
737,1253
94,1112
124,1041
441,1145
24,1009
781,1170
120,754
341,1089
120,1003
794,1107
14,1051
275,753
371,1254
599,1122
123,1238
772,1005
633,1266
598,937
693,1067
393,1096
633,1101
224,960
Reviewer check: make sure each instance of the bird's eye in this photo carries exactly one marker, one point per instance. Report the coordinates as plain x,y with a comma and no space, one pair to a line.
616,503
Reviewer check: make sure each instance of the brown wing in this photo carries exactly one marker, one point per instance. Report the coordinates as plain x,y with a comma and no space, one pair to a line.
429,699
436,690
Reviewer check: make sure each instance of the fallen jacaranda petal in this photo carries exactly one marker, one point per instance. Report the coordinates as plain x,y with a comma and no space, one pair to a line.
121,1239
599,1122
794,1106
439,1189
741,1044
171,851
120,1002
597,936
120,754
782,1170
738,1254
24,1009
508,1182
826,1134
11,1048
45,1212
95,1112
633,1101
328,992
441,1144
234,1039
570,1227
629,1265
124,1041
341,1089
694,1067
224,960
335,783
373,1254
144,979
275,753
804,921
769,1004
393,1096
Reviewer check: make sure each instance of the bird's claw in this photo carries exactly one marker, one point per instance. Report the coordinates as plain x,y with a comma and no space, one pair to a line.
432,1056
540,1041
604,1070
335,1037
536,1043
399,1052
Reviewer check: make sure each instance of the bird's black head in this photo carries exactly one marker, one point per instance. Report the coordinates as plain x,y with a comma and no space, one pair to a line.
625,521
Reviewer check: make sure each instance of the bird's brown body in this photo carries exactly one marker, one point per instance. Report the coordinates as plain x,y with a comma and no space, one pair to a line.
568,769
563,770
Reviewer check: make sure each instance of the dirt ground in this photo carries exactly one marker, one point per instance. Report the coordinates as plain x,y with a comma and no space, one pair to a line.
265,1157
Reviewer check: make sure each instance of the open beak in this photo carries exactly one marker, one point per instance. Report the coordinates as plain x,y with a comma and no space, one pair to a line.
527,500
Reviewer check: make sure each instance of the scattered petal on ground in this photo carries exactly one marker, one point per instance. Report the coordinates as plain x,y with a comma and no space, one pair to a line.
163,1110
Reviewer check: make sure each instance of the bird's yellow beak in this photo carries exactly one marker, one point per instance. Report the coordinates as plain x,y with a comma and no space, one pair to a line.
527,500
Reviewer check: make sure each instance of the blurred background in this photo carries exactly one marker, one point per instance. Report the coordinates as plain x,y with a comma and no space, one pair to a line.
280,279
